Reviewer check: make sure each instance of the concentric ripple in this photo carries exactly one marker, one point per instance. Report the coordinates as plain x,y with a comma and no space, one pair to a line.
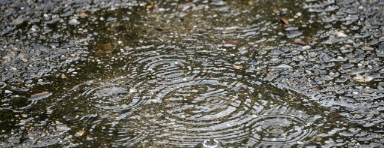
180,98
97,106
169,67
282,126
193,111
117,95
203,99
191,99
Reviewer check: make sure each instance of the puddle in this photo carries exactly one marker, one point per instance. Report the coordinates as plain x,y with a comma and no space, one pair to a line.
179,97
191,74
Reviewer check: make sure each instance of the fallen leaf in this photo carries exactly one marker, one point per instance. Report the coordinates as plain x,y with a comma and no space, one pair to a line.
185,5
40,96
238,67
149,7
24,60
274,10
336,115
299,42
82,14
250,3
284,21
231,43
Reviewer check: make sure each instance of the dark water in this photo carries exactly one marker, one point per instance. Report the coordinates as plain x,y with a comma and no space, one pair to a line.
192,74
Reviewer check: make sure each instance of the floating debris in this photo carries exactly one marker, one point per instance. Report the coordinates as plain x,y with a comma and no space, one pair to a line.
274,10
336,115
299,42
250,3
238,67
82,15
231,43
40,96
284,21
24,60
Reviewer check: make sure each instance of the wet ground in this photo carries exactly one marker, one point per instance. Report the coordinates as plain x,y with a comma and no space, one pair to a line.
192,73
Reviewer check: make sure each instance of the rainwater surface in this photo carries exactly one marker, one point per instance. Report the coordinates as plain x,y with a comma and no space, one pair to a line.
203,73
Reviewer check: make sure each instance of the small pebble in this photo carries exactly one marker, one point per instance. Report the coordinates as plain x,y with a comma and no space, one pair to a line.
341,34
73,22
